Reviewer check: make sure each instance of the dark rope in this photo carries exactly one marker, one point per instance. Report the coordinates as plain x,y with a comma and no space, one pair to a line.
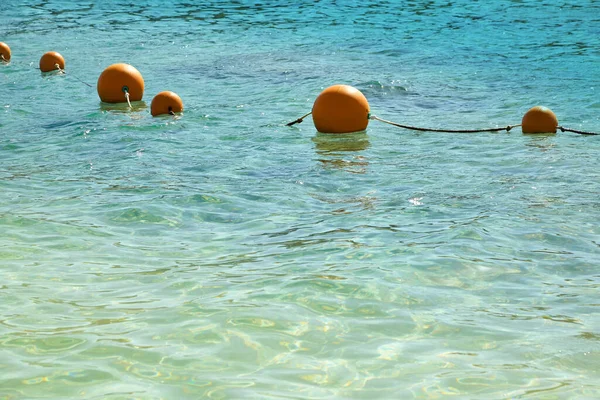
414,128
563,129
299,120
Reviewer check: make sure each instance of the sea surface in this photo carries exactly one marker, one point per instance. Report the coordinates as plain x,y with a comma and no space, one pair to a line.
221,254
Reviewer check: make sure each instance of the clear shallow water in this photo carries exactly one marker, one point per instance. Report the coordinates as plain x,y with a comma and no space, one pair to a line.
226,255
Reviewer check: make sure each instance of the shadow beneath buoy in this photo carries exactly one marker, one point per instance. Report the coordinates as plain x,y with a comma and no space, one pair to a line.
123,107
335,142
541,141
169,117
335,151
49,74
541,135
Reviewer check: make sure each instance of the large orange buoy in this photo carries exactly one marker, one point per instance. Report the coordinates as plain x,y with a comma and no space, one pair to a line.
166,102
4,52
118,79
340,109
52,61
539,120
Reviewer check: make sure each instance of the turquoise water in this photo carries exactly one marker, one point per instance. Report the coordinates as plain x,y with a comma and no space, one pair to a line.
224,255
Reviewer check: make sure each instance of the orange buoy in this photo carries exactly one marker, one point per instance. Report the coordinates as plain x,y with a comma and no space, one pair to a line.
52,61
4,52
166,102
340,109
539,120
118,79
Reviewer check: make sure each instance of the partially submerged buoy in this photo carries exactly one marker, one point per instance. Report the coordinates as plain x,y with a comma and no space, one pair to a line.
340,109
52,61
118,79
539,119
4,52
166,102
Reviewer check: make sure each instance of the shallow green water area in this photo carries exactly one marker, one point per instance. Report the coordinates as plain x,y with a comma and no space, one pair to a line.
223,255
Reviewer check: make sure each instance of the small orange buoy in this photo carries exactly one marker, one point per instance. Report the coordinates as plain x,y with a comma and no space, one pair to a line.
118,79
52,61
340,109
4,52
539,120
166,102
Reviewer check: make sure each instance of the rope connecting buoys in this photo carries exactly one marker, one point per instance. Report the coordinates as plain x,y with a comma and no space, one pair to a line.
414,128
563,129
4,52
539,120
341,109
344,109
299,120
166,102
52,61
120,83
